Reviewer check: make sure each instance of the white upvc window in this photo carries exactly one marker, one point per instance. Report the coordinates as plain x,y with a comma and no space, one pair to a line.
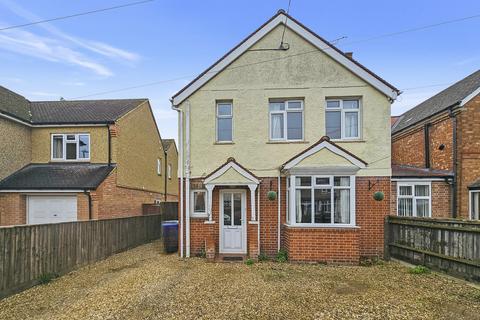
224,125
327,201
414,199
198,203
474,204
342,119
159,166
286,120
169,169
70,147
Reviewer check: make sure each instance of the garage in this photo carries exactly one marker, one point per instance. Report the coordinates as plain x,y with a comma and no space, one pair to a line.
51,209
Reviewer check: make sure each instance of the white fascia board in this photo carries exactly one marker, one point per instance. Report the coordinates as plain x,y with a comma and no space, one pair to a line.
329,146
470,97
3,115
420,179
41,191
236,168
307,35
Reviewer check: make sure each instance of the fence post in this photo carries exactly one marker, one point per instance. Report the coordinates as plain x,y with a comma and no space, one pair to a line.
386,239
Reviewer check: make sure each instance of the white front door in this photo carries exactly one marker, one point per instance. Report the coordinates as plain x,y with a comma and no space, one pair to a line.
233,235
51,209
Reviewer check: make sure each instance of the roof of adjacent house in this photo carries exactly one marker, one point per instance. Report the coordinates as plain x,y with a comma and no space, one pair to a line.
64,111
403,171
15,105
167,143
458,93
283,18
63,176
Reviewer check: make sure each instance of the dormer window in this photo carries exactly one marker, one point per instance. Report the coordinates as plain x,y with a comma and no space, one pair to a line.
71,147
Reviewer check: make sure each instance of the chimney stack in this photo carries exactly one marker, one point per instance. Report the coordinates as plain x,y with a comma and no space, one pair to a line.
349,54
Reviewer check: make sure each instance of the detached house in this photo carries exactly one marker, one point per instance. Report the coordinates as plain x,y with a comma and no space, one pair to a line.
282,146
436,155
78,160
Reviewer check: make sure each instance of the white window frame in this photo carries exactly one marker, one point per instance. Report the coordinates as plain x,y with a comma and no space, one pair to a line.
159,166
169,171
342,117
285,116
198,214
64,146
470,207
412,184
217,116
292,198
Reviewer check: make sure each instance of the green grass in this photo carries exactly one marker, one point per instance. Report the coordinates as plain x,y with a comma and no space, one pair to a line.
249,262
47,277
419,270
282,256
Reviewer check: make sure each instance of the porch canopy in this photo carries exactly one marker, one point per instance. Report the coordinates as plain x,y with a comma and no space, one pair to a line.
231,173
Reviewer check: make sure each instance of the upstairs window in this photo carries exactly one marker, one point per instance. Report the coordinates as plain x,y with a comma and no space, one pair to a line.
71,147
342,118
286,120
169,169
413,200
224,122
159,167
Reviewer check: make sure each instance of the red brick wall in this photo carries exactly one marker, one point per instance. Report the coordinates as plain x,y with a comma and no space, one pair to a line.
441,199
441,133
350,243
329,245
12,209
409,149
112,201
468,135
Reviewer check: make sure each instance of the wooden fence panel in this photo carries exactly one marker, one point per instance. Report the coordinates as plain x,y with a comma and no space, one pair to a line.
452,246
28,252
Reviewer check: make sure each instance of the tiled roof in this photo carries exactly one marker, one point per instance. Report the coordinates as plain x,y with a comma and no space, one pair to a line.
439,102
57,176
64,112
14,105
402,171
81,111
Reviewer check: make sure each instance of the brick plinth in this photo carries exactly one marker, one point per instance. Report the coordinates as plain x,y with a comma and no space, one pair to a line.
252,240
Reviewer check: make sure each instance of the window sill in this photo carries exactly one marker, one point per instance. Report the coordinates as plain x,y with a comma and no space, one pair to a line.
316,226
287,142
199,216
73,161
220,143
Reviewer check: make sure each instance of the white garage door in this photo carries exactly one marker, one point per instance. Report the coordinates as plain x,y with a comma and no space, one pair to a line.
51,209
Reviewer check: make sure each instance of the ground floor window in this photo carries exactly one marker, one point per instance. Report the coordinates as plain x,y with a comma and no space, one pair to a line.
413,199
198,203
475,205
322,200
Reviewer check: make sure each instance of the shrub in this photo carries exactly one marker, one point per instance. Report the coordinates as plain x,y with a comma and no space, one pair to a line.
202,253
263,257
282,256
47,277
419,270
249,262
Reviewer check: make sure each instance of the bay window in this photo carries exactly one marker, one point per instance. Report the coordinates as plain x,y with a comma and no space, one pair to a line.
342,118
70,147
322,200
286,120
413,199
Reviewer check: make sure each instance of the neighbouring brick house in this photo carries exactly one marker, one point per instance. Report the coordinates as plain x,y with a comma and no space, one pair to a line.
282,146
78,160
436,154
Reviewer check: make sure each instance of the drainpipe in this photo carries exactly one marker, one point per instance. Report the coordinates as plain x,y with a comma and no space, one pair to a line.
165,174
454,147
426,134
187,179
258,216
87,193
180,169
279,210
109,146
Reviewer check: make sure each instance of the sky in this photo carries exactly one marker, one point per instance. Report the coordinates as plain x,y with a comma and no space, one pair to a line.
165,40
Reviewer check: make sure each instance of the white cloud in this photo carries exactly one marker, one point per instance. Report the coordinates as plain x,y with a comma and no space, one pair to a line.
59,46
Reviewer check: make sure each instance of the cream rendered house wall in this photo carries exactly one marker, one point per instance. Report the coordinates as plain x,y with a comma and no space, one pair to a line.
311,76
15,150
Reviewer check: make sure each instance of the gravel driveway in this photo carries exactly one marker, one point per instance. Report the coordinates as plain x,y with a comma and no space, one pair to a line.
145,284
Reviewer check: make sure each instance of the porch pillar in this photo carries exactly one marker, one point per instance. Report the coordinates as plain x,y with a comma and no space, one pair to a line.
209,188
252,188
